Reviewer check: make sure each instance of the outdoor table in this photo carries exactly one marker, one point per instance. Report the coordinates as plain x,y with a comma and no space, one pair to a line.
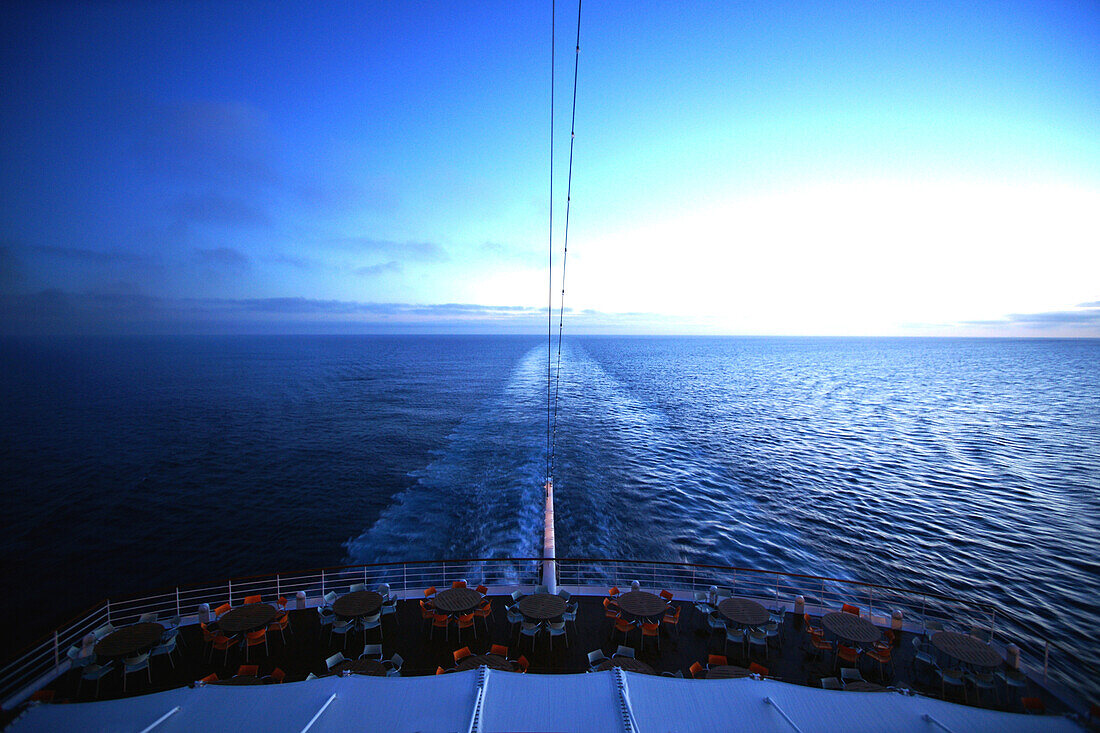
541,606
129,640
457,600
744,612
371,667
627,663
250,617
640,604
727,671
966,649
492,661
357,604
850,627
863,686
247,679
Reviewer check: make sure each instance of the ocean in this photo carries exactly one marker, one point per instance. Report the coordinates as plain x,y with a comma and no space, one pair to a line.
968,467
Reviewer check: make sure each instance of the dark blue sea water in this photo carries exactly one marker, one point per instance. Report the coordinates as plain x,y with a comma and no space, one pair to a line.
966,467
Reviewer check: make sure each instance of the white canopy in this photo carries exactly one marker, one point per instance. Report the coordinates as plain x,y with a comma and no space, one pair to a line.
503,701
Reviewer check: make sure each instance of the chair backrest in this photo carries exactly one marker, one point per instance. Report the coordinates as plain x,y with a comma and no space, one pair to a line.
440,670
357,587
461,654
258,635
564,595
717,660
147,617
373,650
542,589
917,643
251,599
458,584
650,629
330,598
500,650
248,670
516,595
696,669
482,589
701,596
212,677
522,663
624,651
667,595
613,591
334,660
596,657
830,683
281,600
278,675
560,625
758,669
222,609
847,608
397,660
429,592
850,674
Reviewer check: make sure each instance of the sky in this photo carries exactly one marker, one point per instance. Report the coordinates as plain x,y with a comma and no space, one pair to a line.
866,168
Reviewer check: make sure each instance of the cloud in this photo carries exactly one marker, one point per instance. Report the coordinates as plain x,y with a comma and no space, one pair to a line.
89,256
382,269
401,251
1085,316
223,257
212,208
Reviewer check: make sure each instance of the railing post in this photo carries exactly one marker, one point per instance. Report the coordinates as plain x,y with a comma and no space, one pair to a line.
230,591
777,592
405,577
278,587
108,602
322,585
56,656
179,612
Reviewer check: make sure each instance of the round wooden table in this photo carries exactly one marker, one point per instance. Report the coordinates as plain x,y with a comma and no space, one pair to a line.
627,663
727,672
129,640
253,617
743,611
640,604
492,661
371,667
966,649
541,606
457,600
850,627
357,604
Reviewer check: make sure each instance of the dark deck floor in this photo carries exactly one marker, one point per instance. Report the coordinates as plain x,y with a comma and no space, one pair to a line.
306,649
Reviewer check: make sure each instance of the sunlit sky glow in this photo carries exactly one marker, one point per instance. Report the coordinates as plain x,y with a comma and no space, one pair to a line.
767,168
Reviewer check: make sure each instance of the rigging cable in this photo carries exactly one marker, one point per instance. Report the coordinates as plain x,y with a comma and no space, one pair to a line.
565,246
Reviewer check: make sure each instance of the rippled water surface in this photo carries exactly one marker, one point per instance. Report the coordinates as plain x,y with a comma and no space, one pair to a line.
966,467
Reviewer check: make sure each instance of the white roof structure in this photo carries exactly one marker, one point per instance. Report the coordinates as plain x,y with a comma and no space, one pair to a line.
490,701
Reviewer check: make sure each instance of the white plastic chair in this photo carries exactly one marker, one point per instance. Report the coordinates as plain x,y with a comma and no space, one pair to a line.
372,651
136,664
595,659
334,660
624,651
557,628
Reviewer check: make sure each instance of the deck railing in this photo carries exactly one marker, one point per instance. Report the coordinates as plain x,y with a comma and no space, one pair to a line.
1053,666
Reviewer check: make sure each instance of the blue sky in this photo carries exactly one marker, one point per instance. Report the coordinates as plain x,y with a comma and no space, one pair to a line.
792,168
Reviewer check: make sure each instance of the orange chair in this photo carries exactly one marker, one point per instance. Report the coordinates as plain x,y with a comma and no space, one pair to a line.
255,638
854,610
820,644
281,602
500,650
522,665
278,675
696,670
208,636
613,591
458,584
209,678
815,630
429,592
248,670
847,653
485,613
440,621
624,627
466,622
482,589
251,599
667,595
611,609
222,610
653,631
716,660
889,643
882,656
440,670
280,624
673,620
462,653
758,669
224,643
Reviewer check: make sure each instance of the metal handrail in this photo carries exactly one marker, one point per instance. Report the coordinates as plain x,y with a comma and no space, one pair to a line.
39,659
